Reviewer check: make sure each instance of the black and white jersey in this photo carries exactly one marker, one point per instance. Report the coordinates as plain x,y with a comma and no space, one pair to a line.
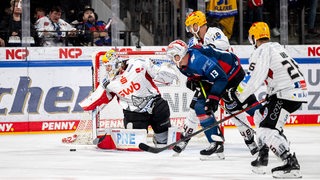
271,64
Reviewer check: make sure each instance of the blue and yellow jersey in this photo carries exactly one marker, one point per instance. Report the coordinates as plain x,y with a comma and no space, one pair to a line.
222,8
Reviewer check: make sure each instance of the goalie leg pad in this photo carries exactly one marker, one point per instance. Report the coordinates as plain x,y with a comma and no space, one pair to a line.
160,138
135,120
160,118
128,139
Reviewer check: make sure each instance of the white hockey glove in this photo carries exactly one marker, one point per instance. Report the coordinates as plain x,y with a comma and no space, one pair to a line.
166,74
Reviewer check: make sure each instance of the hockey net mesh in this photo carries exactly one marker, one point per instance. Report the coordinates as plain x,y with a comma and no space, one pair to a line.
111,115
83,134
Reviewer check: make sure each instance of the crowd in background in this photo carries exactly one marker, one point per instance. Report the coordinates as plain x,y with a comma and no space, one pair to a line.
267,11
75,23
54,27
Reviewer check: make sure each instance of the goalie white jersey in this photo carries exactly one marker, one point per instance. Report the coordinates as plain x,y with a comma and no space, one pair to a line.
270,63
135,87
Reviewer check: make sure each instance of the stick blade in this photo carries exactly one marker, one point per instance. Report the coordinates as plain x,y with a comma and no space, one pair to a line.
147,148
96,141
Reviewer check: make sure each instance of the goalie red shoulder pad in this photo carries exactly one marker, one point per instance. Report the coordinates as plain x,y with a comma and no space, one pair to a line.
97,98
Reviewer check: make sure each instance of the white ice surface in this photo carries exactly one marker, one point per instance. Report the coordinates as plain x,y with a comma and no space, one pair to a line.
45,157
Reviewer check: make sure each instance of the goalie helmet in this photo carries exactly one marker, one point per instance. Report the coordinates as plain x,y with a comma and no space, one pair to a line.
177,48
258,31
109,57
196,17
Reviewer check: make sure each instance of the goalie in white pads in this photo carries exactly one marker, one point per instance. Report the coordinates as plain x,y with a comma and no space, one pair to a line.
286,91
135,88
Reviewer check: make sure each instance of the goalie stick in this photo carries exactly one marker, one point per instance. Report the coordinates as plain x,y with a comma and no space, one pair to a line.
155,150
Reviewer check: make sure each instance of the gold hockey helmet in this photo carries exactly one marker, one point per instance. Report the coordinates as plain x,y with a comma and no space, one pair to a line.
258,31
196,17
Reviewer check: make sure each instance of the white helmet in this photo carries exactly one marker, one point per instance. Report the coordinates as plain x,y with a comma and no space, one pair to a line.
177,48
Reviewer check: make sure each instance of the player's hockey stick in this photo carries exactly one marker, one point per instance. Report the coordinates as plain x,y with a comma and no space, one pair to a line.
225,109
155,150
238,119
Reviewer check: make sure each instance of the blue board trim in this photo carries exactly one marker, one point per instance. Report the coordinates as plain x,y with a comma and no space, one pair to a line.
47,63
84,63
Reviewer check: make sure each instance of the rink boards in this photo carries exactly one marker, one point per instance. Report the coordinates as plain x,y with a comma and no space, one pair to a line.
40,88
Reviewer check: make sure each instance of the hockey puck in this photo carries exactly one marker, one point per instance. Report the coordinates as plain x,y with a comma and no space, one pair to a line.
73,150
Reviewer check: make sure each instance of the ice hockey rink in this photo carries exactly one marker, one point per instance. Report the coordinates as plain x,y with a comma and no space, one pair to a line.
38,156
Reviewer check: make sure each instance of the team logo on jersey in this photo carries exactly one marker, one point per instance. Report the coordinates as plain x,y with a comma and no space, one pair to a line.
301,84
192,58
133,87
123,80
139,70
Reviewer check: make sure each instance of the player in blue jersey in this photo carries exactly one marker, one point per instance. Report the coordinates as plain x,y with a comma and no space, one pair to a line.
219,71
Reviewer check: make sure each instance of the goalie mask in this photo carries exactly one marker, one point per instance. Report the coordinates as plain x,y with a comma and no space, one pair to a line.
110,60
177,48
258,30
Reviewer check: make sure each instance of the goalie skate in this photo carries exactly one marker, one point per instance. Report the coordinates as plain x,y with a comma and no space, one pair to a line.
215,148
291,169
259,166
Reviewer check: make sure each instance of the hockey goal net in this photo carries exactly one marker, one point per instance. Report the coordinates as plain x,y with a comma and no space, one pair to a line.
110,116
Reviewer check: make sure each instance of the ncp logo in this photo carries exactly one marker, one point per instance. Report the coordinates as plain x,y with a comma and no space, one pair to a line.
70,53
17,53
314,51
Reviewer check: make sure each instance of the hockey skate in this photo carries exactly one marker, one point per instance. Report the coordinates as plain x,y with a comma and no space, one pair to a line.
180,147
259,166
214,148
291,168
252,146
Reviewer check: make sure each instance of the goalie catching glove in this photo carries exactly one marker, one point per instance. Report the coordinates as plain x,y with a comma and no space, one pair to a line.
166,74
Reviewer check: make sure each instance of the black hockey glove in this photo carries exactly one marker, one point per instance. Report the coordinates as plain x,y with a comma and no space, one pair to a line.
233,96
192,84
231,100
211,105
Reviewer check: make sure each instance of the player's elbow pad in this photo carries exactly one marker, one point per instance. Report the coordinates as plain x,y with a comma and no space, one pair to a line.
97,98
